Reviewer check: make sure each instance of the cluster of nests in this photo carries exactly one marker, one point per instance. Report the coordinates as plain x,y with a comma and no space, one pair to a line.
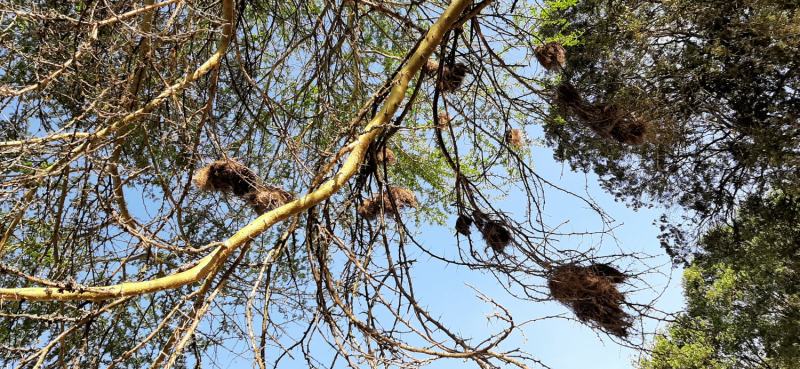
591,293
371,208
495,233
235,178
452,76
609,121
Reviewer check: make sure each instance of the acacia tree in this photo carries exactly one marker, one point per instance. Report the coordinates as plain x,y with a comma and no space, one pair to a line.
239,168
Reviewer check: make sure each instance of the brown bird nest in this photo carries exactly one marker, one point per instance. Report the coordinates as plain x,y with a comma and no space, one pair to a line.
268,198
514,138
632,132
496,235
371,208
430,68
453,77
226,176
610,121
601,118
568,96
608,271
388,157
591,293
551,55
462,224
606,120
444,120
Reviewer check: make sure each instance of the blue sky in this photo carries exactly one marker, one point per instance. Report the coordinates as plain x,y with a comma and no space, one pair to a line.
558,343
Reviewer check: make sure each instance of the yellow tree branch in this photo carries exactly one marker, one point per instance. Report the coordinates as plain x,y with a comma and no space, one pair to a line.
264,222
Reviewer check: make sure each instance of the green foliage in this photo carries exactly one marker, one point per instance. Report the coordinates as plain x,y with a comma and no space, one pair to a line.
715,80
742,294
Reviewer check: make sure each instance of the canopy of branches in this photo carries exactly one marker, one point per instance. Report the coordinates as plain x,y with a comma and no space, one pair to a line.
715,81
179,175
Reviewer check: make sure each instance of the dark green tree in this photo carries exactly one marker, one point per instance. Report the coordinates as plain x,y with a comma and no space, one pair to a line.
743,294
714,81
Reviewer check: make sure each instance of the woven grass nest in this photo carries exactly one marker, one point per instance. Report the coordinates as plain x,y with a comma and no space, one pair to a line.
609,121
388,158
267,198
235,178
568,96
371,208
591,293
601,118
514,138
452,76
462,225
632,132
225,176
444,120
496,235
430,68
551,55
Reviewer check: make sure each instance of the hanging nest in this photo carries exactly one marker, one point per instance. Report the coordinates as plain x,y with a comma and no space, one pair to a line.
225,176
608,271
514,138
453,77
268,198
430,68
371,208
601,118
480,218
568,96
462,225
551,55
496,235
388,158
591,293
632,132
609,121
444,120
